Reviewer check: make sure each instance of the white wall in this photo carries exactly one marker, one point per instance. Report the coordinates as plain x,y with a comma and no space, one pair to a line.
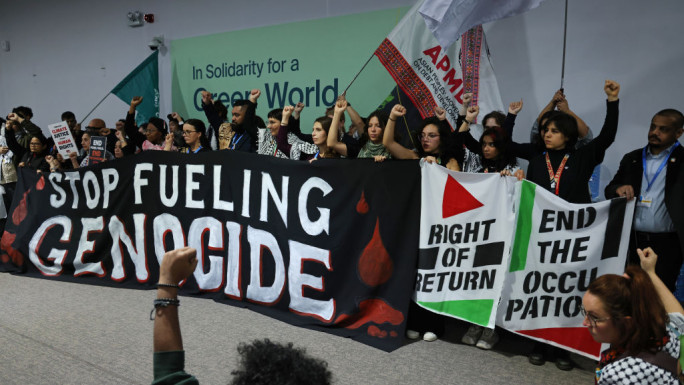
66,55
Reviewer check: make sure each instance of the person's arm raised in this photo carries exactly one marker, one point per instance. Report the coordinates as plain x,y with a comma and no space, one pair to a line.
648,260
333,133
397,150
176,266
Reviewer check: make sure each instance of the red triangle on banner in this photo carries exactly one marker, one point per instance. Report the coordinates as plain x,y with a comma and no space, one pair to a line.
575,338
457,199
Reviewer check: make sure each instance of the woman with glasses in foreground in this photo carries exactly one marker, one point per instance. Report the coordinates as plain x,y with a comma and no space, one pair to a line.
641,320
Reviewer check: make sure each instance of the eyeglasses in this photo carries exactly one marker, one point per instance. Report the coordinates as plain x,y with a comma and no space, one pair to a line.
187,132
428,136
491,127
593,320
148,131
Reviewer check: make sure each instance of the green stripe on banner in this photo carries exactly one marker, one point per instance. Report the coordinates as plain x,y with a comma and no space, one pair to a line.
477,310
524,227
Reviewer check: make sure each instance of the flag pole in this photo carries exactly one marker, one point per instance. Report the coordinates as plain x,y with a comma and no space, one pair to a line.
565,35
97,105
359,73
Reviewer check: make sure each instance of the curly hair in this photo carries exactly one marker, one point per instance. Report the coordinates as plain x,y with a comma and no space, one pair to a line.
265,362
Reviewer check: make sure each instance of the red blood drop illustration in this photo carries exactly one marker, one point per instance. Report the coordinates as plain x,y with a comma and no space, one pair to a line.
393,333
6,244
362,205
375,331
375,264
20,211
40,185
373,310
4,258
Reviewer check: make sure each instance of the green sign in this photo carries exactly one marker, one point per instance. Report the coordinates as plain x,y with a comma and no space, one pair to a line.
310,62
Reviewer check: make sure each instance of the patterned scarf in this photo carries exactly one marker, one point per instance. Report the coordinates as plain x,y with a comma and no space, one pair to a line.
613,354
371,149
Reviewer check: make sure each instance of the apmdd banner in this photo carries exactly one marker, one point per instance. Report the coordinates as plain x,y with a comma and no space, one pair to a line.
559,248
329,246
466,225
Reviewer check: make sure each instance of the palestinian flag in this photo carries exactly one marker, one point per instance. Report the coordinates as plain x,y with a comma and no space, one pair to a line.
558,249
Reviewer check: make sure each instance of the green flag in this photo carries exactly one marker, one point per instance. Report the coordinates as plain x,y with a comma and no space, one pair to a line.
142,81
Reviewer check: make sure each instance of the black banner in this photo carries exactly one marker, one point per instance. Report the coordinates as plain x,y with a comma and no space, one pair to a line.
330,245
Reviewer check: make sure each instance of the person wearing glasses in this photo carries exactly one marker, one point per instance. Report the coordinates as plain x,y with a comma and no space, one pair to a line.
434,140
641,320
194,134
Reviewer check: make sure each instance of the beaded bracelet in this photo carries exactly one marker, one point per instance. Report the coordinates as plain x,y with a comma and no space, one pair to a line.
168,285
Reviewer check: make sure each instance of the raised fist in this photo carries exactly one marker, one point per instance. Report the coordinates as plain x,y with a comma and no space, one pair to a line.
397,111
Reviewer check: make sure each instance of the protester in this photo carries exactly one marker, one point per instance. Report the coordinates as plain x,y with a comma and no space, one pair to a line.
8,173
262,362
653,174
194,132
176,128
491,153
434,140
155,131
560,103
218,121
357,126
82,159
24,129
74,127
245,119
560,158
34,159
295,148
630,312
370,143
122,147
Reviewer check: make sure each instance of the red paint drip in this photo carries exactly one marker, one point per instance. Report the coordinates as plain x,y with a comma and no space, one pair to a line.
375,265
20,211
375,331
373,310
362,205
6,245
40,185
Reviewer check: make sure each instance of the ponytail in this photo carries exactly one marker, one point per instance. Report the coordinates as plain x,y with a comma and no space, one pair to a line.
634,308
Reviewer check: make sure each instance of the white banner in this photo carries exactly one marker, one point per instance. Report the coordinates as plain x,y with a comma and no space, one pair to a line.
559,248
432,76
449,19
526,272
63,139
466,224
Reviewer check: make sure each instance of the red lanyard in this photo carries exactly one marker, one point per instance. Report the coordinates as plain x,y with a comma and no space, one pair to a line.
555,178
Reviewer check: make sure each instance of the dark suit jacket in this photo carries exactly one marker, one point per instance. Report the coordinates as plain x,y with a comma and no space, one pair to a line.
631,172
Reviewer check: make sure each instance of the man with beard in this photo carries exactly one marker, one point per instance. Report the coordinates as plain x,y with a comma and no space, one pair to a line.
241,133
653,175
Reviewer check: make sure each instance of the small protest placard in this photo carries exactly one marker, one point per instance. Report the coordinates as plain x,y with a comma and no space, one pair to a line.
63,139
98,148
